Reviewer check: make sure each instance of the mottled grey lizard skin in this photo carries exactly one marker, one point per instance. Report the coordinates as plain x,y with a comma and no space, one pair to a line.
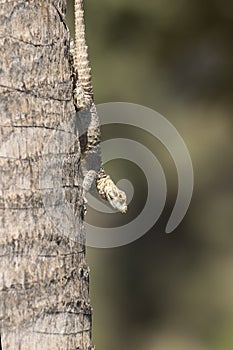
91,163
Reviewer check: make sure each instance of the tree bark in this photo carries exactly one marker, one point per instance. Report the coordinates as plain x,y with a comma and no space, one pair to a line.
44,297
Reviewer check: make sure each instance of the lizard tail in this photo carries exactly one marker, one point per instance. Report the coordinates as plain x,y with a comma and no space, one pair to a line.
81,49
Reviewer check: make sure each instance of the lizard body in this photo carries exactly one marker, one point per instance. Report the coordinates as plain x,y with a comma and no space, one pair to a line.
91,163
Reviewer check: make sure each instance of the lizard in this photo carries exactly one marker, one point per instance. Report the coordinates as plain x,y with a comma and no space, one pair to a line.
88,120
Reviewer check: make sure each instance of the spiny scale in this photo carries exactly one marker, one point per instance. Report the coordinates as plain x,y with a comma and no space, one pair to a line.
84,101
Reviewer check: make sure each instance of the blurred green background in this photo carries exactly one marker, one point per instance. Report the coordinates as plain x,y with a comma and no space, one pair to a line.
169,292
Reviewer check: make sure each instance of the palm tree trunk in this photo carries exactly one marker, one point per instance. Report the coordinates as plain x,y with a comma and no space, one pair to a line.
44,296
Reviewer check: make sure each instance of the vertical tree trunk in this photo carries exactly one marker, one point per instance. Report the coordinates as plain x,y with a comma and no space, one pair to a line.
44,299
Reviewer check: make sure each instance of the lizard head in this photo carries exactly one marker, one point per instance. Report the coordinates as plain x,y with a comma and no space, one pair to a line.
117,198
108,190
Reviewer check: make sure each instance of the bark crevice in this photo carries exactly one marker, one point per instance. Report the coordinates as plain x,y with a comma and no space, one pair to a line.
44,278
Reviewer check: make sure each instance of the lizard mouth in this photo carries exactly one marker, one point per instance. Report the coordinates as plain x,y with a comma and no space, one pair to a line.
122,209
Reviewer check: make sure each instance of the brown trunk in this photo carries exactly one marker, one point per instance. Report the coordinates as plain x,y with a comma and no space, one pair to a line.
44,298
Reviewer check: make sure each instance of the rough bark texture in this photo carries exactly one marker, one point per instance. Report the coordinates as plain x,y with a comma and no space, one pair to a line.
44,298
